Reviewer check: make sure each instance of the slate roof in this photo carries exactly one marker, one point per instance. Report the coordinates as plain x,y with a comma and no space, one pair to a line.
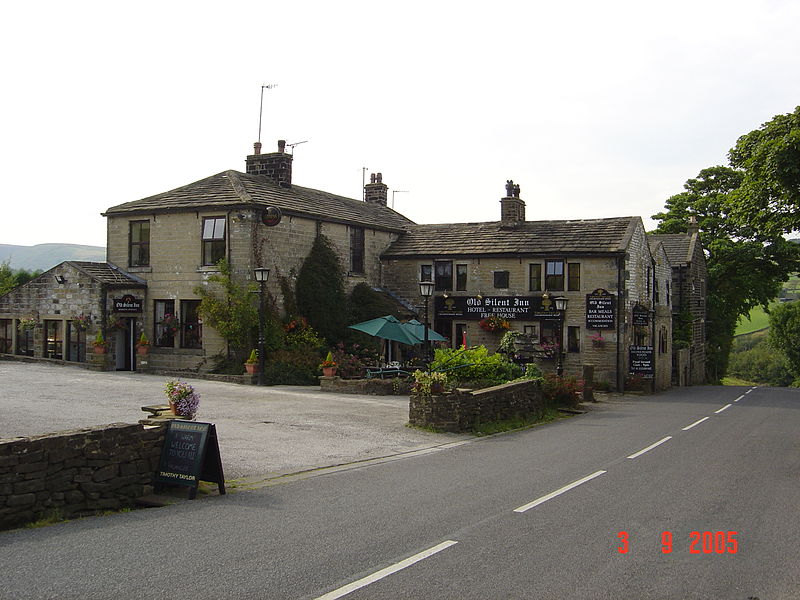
107,273
234,189
678,246
592,236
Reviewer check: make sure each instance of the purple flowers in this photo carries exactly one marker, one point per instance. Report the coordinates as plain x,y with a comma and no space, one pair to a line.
184,397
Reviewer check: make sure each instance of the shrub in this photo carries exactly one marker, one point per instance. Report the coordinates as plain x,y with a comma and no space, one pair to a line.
474,364
561,391
292,366
353,359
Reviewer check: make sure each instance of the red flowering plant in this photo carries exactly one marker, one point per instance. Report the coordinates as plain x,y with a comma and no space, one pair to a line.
494,323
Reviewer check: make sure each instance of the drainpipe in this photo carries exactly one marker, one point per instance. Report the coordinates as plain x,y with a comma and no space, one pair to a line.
620,313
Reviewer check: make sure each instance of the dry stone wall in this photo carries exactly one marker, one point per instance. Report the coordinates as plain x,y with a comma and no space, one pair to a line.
76,472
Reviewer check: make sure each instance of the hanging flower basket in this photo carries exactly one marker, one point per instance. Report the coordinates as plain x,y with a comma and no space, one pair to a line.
598,341
82,322
494,324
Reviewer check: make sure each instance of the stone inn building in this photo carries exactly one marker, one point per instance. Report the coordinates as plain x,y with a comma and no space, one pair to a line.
161,248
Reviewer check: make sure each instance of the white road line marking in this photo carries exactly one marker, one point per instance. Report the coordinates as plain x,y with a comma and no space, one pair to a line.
739,398
687,428
377,575
650,447
750,390
721,409
558,492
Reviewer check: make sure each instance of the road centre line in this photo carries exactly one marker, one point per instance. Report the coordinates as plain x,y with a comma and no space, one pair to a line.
739,398
723,408
650,447
558,492
688,427
378,575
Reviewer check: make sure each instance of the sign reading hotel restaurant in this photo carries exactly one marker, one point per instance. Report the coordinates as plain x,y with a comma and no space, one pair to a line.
526,308
641,316
190,454
128,304
600,310
641,360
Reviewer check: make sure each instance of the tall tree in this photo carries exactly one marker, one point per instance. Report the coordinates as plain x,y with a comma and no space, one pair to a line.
768,199
320,290
784,333
745,267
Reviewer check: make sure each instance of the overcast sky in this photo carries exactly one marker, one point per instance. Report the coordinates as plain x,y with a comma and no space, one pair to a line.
596,109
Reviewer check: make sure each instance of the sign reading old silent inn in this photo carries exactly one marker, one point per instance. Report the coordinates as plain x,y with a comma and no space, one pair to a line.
128,304
525,308
641,316
600,310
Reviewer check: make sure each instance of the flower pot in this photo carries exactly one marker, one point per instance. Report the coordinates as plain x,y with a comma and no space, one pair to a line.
99,349
329,371
251,368
143,350
173,407
437,388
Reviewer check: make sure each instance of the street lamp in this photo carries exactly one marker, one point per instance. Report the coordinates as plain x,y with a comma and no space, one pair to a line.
261,275
561,307
426,291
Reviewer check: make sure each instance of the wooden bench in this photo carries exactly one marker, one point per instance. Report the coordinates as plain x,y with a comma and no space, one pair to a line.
159,413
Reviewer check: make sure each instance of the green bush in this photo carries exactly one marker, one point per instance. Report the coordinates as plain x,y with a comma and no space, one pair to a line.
759,362
561,391
474,364
294,366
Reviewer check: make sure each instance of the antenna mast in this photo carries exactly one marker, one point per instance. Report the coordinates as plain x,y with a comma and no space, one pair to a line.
268,86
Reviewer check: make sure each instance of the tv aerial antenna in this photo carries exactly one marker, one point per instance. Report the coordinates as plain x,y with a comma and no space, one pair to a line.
291,146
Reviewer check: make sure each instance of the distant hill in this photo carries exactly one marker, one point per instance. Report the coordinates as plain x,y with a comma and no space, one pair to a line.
46,256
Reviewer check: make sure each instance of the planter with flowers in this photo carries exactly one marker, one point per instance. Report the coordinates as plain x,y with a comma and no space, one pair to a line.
170,324
494,324
183,399
28,323
547,350
251,364
598,341
82,322
429,383
143,345
328,366
100,344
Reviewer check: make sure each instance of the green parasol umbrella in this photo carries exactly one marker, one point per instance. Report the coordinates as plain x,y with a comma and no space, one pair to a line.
388,328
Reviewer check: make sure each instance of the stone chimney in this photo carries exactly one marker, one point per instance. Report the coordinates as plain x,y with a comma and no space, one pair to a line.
512,207
376,192
693,226
275,165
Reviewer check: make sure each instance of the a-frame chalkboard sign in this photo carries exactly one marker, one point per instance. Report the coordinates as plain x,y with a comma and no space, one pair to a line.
190,454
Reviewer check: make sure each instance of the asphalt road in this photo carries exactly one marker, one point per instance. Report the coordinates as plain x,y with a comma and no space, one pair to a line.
502,517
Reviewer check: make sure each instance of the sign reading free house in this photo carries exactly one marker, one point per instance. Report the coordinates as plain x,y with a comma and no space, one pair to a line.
525,308
128,304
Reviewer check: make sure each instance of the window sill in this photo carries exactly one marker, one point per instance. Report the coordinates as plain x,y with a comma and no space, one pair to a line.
147,269
208,269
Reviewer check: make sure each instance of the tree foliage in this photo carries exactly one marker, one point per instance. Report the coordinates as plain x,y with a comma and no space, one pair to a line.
768,198
784,333
745,266
320,290
231,308
11,278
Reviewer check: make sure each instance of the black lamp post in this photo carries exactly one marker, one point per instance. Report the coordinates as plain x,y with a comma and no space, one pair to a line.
426,291
261,275
561,307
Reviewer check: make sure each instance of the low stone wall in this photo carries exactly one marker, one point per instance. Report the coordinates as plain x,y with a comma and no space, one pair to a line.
76,472
461,410
373,387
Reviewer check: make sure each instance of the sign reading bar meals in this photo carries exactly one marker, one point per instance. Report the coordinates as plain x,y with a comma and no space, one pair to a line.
524,308
600,310
128,304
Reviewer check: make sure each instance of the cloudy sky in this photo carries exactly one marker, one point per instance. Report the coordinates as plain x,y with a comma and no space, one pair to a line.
594,108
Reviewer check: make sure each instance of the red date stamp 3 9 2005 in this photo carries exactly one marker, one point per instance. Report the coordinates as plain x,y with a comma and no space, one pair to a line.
700,542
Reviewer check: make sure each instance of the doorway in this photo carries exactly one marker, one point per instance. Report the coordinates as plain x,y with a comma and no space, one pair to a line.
124,345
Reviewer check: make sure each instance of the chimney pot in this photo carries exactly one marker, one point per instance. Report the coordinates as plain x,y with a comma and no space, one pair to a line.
281,145
376,192
257,148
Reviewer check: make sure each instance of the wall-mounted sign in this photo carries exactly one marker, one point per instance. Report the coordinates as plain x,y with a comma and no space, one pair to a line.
190,454
640,360
524,308
127,304
641,316
271,216
600,310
